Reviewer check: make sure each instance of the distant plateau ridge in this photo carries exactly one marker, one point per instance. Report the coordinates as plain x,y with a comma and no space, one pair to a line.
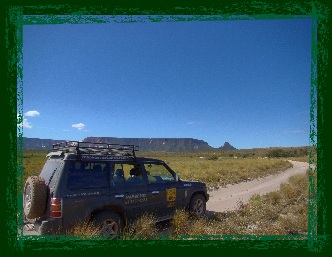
144,144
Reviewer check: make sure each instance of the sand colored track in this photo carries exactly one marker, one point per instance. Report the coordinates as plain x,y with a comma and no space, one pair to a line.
227,198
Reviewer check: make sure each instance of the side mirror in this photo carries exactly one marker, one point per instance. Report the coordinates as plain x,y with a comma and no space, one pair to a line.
177,178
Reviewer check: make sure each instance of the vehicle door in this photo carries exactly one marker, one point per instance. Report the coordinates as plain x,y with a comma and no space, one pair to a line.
162,189
129,188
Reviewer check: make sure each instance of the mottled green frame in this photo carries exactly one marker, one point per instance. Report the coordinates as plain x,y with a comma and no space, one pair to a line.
317,240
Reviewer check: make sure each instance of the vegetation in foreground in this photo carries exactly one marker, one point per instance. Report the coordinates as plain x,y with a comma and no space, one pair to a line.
283,212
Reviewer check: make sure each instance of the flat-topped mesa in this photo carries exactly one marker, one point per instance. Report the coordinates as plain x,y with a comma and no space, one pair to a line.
144,144
157,144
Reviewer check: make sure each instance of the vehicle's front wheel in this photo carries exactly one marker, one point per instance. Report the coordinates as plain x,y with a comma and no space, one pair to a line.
197,205
108,223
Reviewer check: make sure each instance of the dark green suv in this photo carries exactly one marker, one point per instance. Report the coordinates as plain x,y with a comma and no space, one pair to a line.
105,184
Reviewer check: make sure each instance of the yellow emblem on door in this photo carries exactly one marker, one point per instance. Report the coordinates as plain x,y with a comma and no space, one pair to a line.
171,194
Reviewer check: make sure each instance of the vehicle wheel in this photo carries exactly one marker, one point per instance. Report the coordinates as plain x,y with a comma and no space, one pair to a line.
34,197
108,223
197,205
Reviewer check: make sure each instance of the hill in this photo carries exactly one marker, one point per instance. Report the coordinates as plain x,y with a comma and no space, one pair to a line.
156,144
145,144
37,143
227,146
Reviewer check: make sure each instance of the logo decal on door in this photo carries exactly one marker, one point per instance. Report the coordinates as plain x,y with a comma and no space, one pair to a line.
170,197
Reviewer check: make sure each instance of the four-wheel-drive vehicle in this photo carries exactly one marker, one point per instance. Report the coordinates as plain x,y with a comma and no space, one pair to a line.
105,184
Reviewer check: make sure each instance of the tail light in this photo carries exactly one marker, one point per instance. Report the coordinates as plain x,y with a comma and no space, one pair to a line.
56,208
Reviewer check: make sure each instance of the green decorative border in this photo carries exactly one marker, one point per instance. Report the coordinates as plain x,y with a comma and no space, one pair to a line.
19,15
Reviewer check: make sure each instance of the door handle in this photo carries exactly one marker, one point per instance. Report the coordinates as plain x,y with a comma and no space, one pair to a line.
119,196
155,192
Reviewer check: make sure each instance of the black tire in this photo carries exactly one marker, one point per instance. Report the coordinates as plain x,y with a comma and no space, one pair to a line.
197,205
34,197
109,224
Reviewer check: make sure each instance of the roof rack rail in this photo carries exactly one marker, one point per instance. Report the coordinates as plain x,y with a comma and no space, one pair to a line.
91,148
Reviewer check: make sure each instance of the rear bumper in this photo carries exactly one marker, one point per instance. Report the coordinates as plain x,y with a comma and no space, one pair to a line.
51,227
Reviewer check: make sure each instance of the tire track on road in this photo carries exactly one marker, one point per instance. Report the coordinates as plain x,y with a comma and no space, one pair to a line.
228,198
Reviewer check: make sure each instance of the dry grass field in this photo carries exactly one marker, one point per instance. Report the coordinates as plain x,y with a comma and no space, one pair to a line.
223,171
208,167
283,212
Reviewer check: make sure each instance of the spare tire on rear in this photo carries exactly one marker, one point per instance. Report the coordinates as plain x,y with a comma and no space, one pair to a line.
34,197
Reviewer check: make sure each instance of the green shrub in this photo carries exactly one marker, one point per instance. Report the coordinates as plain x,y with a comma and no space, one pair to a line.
278,153
213,158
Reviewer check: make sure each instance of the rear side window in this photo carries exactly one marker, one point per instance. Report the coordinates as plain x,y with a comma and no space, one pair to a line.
49,169
88,175
127,174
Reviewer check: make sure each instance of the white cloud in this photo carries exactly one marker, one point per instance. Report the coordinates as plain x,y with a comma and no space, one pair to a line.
26,124
22,121
79,126
32,113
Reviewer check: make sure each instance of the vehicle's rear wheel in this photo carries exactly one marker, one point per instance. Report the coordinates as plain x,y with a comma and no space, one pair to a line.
34,197
197,205
109,223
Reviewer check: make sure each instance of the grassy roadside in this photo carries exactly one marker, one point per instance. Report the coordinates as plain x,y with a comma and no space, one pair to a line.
304,159
224,171
283,212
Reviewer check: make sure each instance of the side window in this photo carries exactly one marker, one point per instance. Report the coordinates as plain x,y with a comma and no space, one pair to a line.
127,174
88,175
158,173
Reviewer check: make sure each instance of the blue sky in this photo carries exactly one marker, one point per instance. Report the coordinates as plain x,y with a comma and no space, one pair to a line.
242,81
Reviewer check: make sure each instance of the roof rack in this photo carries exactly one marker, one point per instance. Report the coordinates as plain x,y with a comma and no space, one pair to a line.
91,148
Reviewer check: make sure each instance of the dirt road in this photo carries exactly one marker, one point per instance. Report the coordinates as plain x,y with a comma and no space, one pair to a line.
228,198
